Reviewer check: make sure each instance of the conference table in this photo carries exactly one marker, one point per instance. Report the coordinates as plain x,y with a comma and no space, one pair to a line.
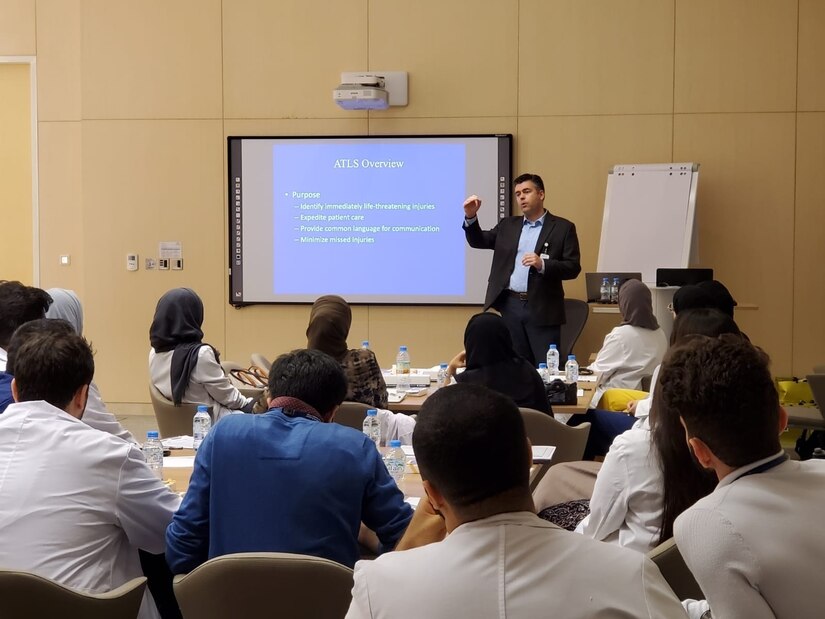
587,386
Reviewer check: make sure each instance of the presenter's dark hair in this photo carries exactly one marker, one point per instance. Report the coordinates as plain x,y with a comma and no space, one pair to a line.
723,390
470,442
311,376
50,362
535,178
20,304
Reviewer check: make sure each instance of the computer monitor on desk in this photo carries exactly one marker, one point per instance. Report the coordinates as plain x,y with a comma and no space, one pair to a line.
682,277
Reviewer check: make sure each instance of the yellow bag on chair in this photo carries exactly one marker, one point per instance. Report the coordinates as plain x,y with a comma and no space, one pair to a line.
794,391
617,399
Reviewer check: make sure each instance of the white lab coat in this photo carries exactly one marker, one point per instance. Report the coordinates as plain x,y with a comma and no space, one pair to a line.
208,383
627,501
628,354
512,565
755,543
76,503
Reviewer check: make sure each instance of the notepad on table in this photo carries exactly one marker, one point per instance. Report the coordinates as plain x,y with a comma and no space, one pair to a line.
543,453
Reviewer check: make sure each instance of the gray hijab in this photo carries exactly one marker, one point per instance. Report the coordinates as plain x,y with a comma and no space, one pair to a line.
67,306
636,305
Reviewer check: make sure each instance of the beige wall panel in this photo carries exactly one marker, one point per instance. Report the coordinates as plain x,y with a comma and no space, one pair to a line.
283,59
745,210
573,155
61,206
735,56
595,57
58,59
462,55
811,63
297,126
151,59
432,334
418,126
17,28
809,250
16,250
146,182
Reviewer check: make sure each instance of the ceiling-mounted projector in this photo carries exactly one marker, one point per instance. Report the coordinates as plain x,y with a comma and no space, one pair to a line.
371,91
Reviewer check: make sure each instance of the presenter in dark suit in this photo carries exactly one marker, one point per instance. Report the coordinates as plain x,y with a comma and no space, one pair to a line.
532,254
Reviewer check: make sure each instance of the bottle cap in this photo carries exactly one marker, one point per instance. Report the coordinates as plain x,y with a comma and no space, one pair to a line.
152,434
542,366
371,412
402,348
552,347
203,409
365,344
569,357
395,443
443,366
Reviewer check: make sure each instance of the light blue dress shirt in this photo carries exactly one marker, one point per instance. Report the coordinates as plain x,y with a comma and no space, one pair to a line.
526,244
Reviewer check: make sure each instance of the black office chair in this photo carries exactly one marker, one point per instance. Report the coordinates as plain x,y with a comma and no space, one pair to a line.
577,313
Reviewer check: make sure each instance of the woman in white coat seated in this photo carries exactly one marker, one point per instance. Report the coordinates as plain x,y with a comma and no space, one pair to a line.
184,368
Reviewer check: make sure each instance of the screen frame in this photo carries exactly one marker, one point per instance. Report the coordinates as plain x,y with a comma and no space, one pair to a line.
234,167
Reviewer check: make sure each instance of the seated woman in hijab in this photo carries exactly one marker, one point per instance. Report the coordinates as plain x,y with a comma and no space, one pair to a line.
490,360
184,368
329,322
66,305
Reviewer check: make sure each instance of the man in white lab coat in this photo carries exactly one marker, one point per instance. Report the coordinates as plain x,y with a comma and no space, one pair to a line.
498,559
75,503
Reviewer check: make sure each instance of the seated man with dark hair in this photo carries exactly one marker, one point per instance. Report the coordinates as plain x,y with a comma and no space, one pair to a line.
499,558
76,504
19,304
753,544
287,480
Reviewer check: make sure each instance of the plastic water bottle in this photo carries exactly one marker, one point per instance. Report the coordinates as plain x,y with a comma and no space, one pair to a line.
153,453
552,360
402,370
441,377
571,369
543,373
201,424
372,426
396,461
365,344
604,291
614,291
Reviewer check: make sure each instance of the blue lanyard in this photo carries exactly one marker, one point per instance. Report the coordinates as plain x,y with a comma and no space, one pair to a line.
767,466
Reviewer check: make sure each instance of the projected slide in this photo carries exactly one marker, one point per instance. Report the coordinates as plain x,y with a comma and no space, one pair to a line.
362,219
375,220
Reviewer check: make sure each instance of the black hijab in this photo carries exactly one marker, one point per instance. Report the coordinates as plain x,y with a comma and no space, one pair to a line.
492,361
177,326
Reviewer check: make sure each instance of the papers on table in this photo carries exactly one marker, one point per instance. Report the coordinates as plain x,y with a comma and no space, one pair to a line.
413,501
393,397
178,442
543,453
179,462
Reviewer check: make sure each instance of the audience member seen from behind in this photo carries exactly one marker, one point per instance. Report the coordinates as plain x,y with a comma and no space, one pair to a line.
181,365
491,360
329,323
19,304
632,350
76,504
66,306
287,480
648,477
752,544
498,558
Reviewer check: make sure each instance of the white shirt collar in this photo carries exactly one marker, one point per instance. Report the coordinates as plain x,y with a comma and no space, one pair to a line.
4,358
736,474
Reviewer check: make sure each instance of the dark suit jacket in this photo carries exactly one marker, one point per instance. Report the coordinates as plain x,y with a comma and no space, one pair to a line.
545,294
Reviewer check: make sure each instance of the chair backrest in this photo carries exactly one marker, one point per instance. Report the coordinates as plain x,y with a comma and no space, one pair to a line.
261,361
228,366
544,430
819,369
265,584
172,420
351,414
669,560
24,595
576,312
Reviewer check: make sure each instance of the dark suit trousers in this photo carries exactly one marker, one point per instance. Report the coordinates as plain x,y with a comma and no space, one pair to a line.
531,341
